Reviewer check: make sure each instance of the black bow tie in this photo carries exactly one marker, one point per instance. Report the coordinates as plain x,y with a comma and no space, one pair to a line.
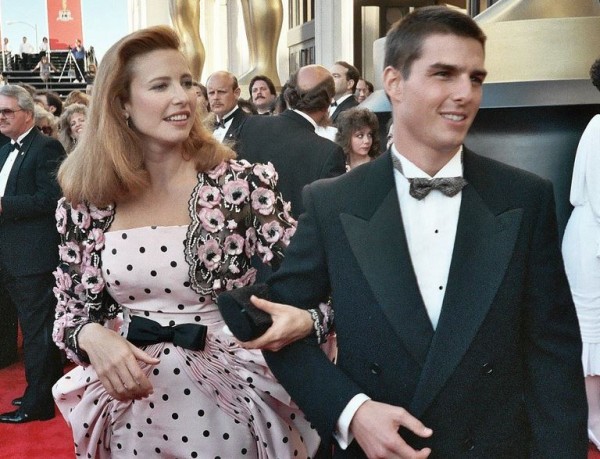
421,187
221,124
16,145
143,332
334,104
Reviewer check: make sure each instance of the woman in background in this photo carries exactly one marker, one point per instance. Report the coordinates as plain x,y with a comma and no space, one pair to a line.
581,252
157,220
358,135
72,122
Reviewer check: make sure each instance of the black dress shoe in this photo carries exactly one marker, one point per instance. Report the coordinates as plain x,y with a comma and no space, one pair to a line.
20,417
17,401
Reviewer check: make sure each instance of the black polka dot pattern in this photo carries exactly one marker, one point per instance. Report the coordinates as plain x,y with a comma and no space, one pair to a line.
202,405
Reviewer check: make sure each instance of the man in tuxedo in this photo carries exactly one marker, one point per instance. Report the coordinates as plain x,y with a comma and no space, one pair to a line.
289,141
457,335
346,77
29,246
223,94
263,94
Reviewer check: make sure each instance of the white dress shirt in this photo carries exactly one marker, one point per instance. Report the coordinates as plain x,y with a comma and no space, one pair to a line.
10,161
219,133
338,102
430,228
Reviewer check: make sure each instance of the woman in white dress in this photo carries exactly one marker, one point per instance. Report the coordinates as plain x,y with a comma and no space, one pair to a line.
581,252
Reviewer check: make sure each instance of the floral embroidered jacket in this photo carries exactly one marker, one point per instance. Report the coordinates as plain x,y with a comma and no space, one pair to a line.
236,213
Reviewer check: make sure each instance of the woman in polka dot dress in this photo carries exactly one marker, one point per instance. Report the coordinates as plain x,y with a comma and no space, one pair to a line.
174,222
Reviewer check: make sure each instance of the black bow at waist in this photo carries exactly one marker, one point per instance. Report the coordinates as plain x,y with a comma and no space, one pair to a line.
143,332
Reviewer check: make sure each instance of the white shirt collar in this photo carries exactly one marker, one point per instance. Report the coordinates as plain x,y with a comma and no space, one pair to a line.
229,113
343,98
306,117
452,168
22,136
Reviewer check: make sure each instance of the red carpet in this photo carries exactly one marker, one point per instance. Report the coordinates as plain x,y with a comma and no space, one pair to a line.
49,439
32,440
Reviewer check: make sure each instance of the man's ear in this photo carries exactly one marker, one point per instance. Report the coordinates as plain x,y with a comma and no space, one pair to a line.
237,91
393,83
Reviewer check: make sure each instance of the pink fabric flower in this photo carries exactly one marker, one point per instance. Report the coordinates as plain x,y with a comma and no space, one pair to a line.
231,224
209,196
81,217
263,201
210,254
287,235
69,252
248,278
99,214
250,242
95,240
212,219
234,244
63,279
236,192
266,255
61,217
92,279
239,165
216,172
266,173
272,231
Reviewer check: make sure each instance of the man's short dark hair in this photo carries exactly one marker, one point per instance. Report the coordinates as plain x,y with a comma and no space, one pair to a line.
404,42
264,78
369,86
53,101
310,100
595,73
352,73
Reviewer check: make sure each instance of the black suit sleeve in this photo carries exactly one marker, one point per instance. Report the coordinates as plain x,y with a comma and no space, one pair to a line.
335,164
39,195
554,396
321,389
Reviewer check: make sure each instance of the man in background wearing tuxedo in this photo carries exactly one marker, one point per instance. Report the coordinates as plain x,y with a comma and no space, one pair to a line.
29,246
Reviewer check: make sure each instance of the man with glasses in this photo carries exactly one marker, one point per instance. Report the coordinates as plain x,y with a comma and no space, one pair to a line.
28,246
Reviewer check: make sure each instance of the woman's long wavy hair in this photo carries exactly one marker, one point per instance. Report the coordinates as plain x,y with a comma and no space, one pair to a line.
107,163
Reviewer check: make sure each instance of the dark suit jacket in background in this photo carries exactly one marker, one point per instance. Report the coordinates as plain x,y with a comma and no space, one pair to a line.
28,255
345,105
501,376
289,142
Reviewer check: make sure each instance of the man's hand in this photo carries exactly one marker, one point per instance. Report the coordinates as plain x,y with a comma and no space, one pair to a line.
289,324
375,427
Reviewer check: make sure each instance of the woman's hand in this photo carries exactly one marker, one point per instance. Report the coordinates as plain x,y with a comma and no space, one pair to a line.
116,362
289,324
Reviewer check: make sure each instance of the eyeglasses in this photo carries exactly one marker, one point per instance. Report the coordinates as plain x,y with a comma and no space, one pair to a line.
9,112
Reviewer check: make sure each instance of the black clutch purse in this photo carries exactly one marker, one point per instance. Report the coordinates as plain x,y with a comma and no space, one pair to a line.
245,320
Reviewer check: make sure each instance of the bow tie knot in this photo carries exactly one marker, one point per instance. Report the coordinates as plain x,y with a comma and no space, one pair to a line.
421,187
450,186
219,124
334,104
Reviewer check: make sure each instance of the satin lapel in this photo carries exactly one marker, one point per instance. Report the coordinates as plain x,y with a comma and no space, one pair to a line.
482,251
379,245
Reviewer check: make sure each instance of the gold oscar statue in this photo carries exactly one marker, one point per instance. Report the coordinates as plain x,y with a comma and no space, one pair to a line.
263,20
185,15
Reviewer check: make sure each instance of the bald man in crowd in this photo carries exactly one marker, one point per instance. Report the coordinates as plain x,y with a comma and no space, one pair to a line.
289,141
223,94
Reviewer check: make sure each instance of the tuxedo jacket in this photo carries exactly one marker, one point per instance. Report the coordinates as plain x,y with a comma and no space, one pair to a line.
345,105
28,236
289,142
239,117
500,377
